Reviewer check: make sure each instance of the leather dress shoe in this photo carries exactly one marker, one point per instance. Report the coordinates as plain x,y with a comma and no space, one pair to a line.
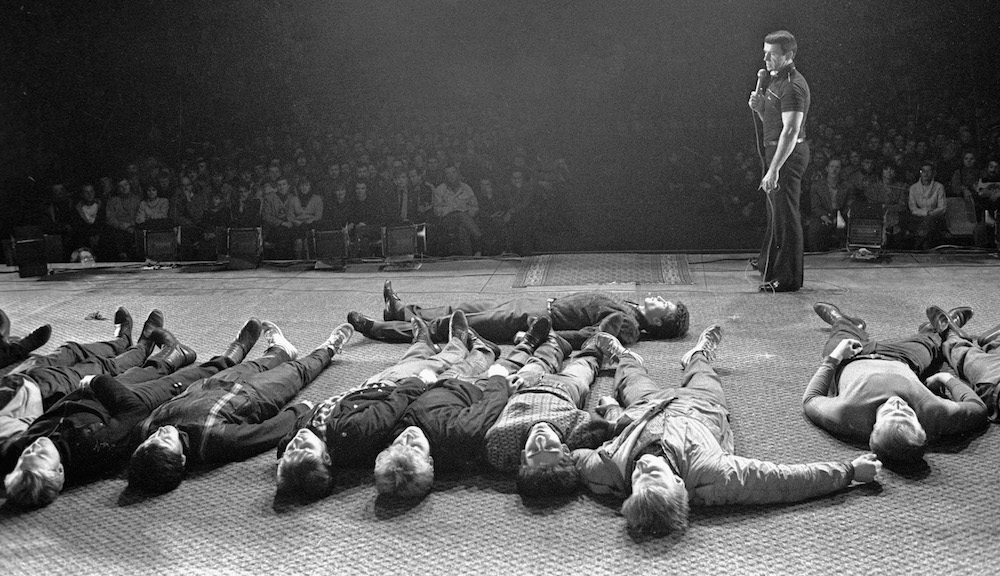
245,340
361,322
538,331
831,315
154,321
960,316
394,309
36,338
943,323
123,325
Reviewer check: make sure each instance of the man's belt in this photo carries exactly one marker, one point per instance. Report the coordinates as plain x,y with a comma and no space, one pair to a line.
775,142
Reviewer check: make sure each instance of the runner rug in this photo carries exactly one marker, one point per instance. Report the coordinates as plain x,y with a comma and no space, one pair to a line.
573,269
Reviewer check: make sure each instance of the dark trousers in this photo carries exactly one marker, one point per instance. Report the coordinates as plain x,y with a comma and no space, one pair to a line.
154,385
59,373
979,366
921,351
464,227
781,255
11,352
497,322
273,380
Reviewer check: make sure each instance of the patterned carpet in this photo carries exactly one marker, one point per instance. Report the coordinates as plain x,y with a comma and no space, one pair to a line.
587,269
942,518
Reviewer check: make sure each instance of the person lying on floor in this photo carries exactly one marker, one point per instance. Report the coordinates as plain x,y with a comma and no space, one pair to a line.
349,429
976,359
675,449
234,411
574,317
36,384
871,391
86,433
14,349
447,427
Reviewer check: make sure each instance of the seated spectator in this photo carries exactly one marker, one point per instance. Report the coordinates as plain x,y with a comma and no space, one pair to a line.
892,196
927,207
524,210
244,209
213,224
89,225
338,213
153,212
424,192
963,180
306,214
14,349
456,207
829,208
120,218
494,218
276,215
367,220
187,204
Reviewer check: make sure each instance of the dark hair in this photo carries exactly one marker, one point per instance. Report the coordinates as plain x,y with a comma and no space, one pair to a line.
784,39
673,326
303,475
559,479
155,469
895,443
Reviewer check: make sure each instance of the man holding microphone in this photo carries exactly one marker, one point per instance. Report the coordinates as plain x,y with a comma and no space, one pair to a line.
782,106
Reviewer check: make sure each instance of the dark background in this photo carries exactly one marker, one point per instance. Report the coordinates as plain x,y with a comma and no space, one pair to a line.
613,87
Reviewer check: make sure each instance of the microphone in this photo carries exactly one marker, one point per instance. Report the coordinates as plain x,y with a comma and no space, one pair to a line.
761,76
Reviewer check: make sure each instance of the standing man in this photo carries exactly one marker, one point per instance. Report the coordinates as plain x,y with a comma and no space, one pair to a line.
782,107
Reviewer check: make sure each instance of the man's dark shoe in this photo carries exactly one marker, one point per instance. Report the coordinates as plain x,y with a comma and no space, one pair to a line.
831,315
960,316
163,338
943,324
538,331
154,321
361,323
172,358
4,326
459,327
394,309
612,324
422,332
123,325
244,342
35,339
483,344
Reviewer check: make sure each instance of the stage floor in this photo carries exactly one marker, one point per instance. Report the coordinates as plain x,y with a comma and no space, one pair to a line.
224,520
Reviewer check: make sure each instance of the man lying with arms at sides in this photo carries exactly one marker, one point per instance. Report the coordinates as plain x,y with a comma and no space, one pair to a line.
574,317
676,448
87,432
870,390
230,415
349,429
445,428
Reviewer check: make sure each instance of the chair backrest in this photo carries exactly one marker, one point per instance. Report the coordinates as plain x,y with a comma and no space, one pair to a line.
959,216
